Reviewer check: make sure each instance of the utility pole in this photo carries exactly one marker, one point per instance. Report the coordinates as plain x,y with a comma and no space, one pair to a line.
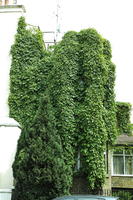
52,37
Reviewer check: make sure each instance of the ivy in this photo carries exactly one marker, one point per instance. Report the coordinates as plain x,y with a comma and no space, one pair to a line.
77,85
109,96
77,114
122,147
61,86
93,131
29,69
123,118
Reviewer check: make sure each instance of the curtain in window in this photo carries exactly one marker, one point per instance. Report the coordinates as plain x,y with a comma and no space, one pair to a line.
118,165
128,165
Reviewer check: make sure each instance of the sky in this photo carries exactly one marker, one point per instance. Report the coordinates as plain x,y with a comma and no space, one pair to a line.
111,18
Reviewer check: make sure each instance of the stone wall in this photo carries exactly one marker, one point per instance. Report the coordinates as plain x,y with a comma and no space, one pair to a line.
122,182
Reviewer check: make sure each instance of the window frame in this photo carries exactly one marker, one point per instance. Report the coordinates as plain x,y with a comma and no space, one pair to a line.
123,154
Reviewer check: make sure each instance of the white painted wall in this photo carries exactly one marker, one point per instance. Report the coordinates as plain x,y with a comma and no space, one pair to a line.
9,128
8,25
8,143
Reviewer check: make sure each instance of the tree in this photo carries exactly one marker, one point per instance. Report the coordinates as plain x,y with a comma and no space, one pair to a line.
39,168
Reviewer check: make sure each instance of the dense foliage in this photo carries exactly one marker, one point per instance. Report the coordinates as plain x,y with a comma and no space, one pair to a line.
109,96
78,85
123,118
29,69
76,116
123,195
61,86
39,168
93,133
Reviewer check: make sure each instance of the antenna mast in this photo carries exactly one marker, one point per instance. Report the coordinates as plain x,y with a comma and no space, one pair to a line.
57,31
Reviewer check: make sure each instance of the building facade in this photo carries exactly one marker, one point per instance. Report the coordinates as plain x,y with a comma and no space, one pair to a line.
119,159
9,128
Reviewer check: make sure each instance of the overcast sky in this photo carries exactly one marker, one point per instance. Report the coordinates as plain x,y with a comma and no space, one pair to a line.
113,19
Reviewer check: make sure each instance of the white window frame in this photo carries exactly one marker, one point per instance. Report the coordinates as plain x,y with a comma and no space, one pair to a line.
124,155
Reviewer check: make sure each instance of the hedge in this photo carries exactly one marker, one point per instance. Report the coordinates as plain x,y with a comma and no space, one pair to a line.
39,168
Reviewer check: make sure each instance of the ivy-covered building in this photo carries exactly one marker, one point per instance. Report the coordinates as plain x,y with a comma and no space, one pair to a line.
64,100
122,155
118,158
76,78
122,163
10,129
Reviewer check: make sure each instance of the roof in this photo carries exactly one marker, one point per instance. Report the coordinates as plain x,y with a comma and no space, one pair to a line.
124,139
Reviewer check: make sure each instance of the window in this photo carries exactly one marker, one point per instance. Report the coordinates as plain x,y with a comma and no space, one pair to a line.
123,162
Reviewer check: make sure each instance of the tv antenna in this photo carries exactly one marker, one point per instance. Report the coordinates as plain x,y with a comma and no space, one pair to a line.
57,31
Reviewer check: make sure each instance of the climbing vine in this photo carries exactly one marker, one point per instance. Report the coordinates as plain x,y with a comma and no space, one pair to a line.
109,96
78,109
61,86
29,69
93,133
123,118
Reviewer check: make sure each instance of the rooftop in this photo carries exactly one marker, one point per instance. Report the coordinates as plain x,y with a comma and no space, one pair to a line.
124,139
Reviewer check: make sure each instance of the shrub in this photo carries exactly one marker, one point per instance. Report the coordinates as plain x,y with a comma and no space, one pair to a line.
124,195
39,168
